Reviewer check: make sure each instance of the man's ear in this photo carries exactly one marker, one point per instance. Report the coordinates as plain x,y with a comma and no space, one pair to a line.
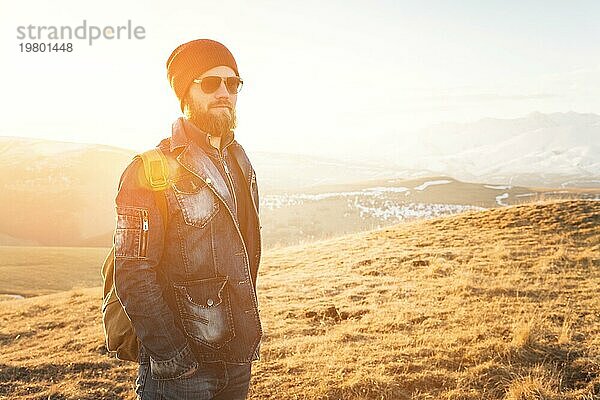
185,106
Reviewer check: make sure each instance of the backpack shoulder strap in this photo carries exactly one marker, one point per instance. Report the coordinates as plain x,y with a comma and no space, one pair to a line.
156,169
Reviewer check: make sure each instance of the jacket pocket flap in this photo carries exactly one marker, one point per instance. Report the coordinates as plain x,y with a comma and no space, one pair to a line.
130,217
203,292
197,206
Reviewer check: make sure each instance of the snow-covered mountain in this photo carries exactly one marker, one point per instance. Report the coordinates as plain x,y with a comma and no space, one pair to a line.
281,172
558,149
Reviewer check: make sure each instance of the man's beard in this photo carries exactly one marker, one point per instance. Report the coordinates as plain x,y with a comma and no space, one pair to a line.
216,124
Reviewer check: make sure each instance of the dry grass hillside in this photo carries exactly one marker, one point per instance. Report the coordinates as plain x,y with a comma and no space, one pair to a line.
498,304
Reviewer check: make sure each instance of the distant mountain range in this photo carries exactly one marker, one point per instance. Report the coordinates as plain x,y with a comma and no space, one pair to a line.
57,193
558,149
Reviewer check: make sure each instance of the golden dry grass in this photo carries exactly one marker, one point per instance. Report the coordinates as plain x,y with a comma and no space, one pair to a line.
501,304
32,271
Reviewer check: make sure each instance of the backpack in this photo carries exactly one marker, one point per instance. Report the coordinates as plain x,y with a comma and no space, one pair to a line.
119,335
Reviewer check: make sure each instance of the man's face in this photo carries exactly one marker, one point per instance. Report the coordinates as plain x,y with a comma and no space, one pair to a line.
212,112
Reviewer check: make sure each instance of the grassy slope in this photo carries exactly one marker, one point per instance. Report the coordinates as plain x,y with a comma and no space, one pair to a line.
486,305
31,271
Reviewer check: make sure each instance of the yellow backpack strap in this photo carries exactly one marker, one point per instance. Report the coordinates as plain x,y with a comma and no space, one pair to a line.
156,168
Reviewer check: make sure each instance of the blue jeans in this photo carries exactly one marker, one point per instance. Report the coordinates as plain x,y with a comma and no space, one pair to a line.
217,380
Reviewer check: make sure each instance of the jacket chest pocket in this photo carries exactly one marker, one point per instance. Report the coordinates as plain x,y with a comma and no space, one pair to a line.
197,201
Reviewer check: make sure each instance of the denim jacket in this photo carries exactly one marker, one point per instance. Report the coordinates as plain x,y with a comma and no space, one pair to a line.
188,284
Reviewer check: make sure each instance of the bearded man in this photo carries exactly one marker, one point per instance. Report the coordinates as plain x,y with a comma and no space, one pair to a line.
187,245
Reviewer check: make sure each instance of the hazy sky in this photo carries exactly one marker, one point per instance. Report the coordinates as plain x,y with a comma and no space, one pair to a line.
321,77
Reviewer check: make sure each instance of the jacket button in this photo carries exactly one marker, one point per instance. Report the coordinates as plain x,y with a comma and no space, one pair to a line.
210,302
208,181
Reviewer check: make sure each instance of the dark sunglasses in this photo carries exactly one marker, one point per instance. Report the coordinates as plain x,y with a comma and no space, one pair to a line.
210,84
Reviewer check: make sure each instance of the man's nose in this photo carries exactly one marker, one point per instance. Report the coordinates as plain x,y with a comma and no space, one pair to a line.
222,91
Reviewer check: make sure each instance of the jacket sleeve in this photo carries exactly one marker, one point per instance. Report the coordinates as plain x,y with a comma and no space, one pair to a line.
256,192
138,242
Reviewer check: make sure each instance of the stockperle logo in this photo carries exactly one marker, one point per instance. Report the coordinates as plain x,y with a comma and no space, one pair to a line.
89,33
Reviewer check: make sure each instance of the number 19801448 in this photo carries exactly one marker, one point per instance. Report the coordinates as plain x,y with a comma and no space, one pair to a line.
45,47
